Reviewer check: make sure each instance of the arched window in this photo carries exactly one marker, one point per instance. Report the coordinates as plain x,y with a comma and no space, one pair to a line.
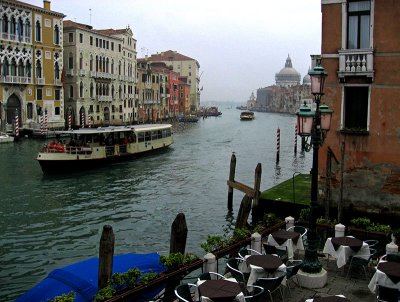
91,90
29,110
28,69
5,24
12,27
97,63
13,67
71,92
56,34
119,68
56,71
112,91
81,90
5,68
81,61
107,65
71,61
91,63
112,66
20,29
38,31
38,69
27,29
21,69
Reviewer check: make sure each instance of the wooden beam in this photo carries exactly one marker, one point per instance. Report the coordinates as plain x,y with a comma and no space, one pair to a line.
241,187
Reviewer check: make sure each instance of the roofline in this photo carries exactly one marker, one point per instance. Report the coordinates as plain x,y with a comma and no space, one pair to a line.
33,7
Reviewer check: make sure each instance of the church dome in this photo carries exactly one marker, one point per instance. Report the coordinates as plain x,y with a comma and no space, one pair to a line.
287,76
307,80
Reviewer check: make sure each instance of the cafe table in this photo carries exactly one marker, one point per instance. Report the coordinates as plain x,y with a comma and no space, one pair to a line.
342,248
261,266
221,290
387,274
291,240
337,298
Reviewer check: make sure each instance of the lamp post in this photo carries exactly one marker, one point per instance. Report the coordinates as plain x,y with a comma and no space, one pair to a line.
314,124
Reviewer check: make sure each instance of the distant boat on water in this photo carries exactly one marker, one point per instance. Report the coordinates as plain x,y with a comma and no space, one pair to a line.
247,116
209,111
241,107
188,118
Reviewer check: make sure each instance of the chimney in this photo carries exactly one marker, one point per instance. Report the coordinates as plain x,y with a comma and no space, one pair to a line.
46,5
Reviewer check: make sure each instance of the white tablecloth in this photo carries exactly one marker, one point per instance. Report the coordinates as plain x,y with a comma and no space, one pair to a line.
343,253
311,300
380,278
258,272
239,298
291,246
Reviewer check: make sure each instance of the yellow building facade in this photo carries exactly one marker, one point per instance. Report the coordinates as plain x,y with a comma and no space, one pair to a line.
31,64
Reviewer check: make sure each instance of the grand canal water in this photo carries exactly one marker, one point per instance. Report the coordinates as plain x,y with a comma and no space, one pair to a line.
49,222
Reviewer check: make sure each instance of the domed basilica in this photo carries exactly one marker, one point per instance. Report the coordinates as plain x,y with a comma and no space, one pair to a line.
288,76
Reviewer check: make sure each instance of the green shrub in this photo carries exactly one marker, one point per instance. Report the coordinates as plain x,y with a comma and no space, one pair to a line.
213,243
240,234
305,214
323,220
105,293
379,228
270,219
70,297
147,277
176,260
361,222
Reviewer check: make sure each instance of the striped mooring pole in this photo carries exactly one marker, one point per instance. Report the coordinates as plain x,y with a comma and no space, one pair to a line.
295,139
83,120
278,144
46,122
89,121
16,124
41,119
69,120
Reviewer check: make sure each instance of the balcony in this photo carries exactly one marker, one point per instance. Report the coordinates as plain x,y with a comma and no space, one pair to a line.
15,80
40,81
82,72
356,62
104,98
57,82
70,72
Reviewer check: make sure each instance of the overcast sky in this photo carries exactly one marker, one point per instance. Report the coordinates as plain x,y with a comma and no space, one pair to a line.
240,45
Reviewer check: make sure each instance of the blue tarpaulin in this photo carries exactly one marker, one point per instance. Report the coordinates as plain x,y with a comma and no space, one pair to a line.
82,278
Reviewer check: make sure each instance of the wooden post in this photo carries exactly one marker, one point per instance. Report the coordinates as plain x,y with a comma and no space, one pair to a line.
244,212
278,144
257,182
178,235
106,256
177,245
231,178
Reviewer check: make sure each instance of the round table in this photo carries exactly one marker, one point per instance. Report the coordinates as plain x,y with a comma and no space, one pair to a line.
269,263
219,290
331,299
391,269
354,243
281,236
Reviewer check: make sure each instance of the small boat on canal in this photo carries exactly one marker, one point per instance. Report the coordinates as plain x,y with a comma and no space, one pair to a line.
93,147
5,138
247,116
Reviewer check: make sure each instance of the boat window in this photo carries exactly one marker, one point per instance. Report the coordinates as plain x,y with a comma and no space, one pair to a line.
147,136
154,135
140,137
169,132
159,134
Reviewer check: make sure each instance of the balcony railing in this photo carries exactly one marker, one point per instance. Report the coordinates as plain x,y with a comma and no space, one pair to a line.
57,82
104,98
70,72
15,80
356,62
40,81
82,72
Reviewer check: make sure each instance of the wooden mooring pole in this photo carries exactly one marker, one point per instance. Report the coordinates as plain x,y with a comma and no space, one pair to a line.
106,256
177,245
253,193
231,178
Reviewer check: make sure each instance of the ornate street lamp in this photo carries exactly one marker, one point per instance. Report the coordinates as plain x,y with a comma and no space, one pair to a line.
314,124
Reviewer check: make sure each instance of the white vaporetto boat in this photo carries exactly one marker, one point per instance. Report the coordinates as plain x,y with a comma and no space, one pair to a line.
92,147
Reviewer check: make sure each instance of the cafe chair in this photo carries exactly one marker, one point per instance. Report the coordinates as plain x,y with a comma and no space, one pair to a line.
246,251
210,276
292,268
393,257
372,242
303,232
185,292
256,292
233,267
272,284
359,262
387,294
273,250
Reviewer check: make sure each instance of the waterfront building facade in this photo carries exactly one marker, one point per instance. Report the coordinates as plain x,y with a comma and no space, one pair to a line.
360,52
185,66
184,95
31,63
287,95
99,75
